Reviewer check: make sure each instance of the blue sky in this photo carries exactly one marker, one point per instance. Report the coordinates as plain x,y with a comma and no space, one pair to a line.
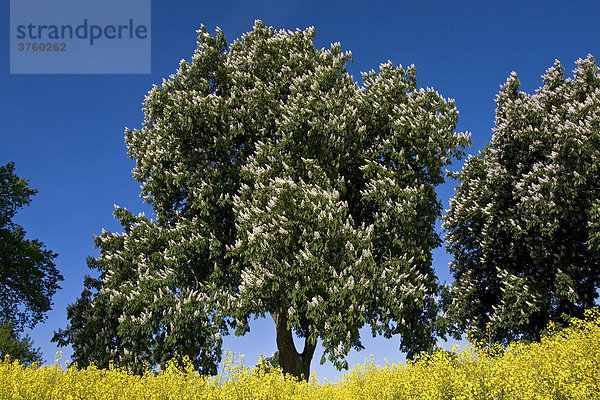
65,132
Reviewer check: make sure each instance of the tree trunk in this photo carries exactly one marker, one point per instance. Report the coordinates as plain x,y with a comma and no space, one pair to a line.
292,362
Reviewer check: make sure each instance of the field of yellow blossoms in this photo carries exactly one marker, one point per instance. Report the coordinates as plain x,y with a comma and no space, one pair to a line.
563,365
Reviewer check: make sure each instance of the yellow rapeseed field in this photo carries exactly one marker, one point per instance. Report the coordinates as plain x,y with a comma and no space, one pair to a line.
563,365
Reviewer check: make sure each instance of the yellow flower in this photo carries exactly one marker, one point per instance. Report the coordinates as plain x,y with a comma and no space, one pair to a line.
564,364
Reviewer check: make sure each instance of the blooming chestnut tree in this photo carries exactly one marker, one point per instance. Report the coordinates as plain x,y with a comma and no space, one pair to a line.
282,188
523,225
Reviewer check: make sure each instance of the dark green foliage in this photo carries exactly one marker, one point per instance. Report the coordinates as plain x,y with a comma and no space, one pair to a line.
28,275
17,348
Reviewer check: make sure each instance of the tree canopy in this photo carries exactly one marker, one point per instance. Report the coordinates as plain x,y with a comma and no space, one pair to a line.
17,348
280,187
524,223
28,275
